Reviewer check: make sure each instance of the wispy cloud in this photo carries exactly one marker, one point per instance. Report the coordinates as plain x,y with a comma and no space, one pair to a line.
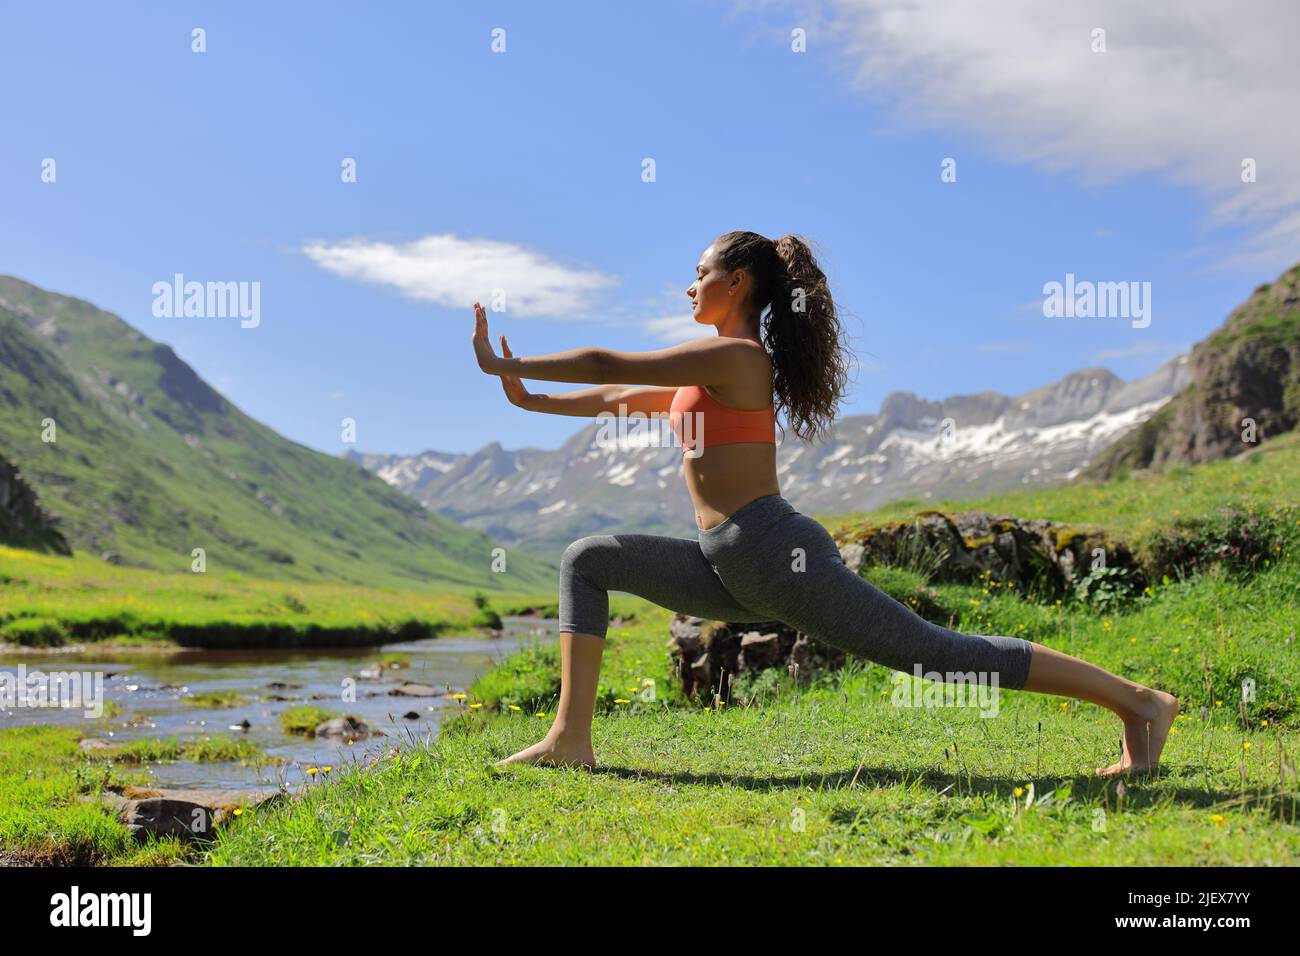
456,272
1186,91
1137,350
676,328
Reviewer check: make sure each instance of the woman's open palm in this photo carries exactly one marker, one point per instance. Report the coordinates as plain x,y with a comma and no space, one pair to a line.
514,388
482,343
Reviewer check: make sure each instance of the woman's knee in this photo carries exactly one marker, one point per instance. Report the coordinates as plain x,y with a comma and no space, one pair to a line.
586,556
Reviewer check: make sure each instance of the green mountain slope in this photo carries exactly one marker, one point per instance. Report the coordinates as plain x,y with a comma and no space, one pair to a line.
1249,368
149,462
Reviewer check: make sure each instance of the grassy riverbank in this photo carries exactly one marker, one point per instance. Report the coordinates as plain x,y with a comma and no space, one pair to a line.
51,808
838,773
51,601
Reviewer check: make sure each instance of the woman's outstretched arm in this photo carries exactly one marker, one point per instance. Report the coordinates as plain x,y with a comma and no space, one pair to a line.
590,402
706,361
587,402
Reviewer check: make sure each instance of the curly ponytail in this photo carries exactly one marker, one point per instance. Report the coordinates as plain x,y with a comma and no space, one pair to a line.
801,330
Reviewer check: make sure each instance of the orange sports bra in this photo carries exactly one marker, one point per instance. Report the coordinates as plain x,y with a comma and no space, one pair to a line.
722,424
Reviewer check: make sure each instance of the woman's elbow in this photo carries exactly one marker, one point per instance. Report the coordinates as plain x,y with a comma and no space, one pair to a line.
603,371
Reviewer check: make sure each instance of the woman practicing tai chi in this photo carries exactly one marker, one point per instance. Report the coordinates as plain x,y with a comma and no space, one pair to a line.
746,565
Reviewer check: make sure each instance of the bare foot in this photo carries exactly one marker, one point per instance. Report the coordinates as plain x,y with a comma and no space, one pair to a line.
557,752
1144,736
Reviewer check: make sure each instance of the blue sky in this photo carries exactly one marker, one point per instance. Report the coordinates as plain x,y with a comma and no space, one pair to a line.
524,169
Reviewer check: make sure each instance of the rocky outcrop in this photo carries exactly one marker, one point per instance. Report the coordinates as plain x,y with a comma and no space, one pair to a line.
710,655
190,815
1244,389
346,727
966,546
22,522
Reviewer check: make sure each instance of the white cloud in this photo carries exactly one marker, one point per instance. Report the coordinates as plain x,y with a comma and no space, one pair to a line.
455,272
1185,90
677,328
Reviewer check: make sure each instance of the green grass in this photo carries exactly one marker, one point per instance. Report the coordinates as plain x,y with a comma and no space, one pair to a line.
828,780
834,773
50,808
304,720
199,750
871,783
215,699
1272,328
49,600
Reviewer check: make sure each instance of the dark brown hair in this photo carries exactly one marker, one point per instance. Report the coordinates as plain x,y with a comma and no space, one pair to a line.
801,330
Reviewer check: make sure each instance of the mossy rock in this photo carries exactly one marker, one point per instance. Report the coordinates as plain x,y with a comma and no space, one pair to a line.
1064,537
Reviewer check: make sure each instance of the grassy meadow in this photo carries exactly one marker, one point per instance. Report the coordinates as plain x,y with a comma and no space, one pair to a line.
50,600
833,772
828,771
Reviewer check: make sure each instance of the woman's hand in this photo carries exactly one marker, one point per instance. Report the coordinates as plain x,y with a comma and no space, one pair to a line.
487,359
514,388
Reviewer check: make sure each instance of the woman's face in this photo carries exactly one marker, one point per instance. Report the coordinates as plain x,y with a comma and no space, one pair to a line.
710,300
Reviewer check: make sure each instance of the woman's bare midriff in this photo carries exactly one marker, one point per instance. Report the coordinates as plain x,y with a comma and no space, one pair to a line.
726,477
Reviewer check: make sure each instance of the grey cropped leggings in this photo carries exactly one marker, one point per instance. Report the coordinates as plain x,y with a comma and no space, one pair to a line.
767,562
